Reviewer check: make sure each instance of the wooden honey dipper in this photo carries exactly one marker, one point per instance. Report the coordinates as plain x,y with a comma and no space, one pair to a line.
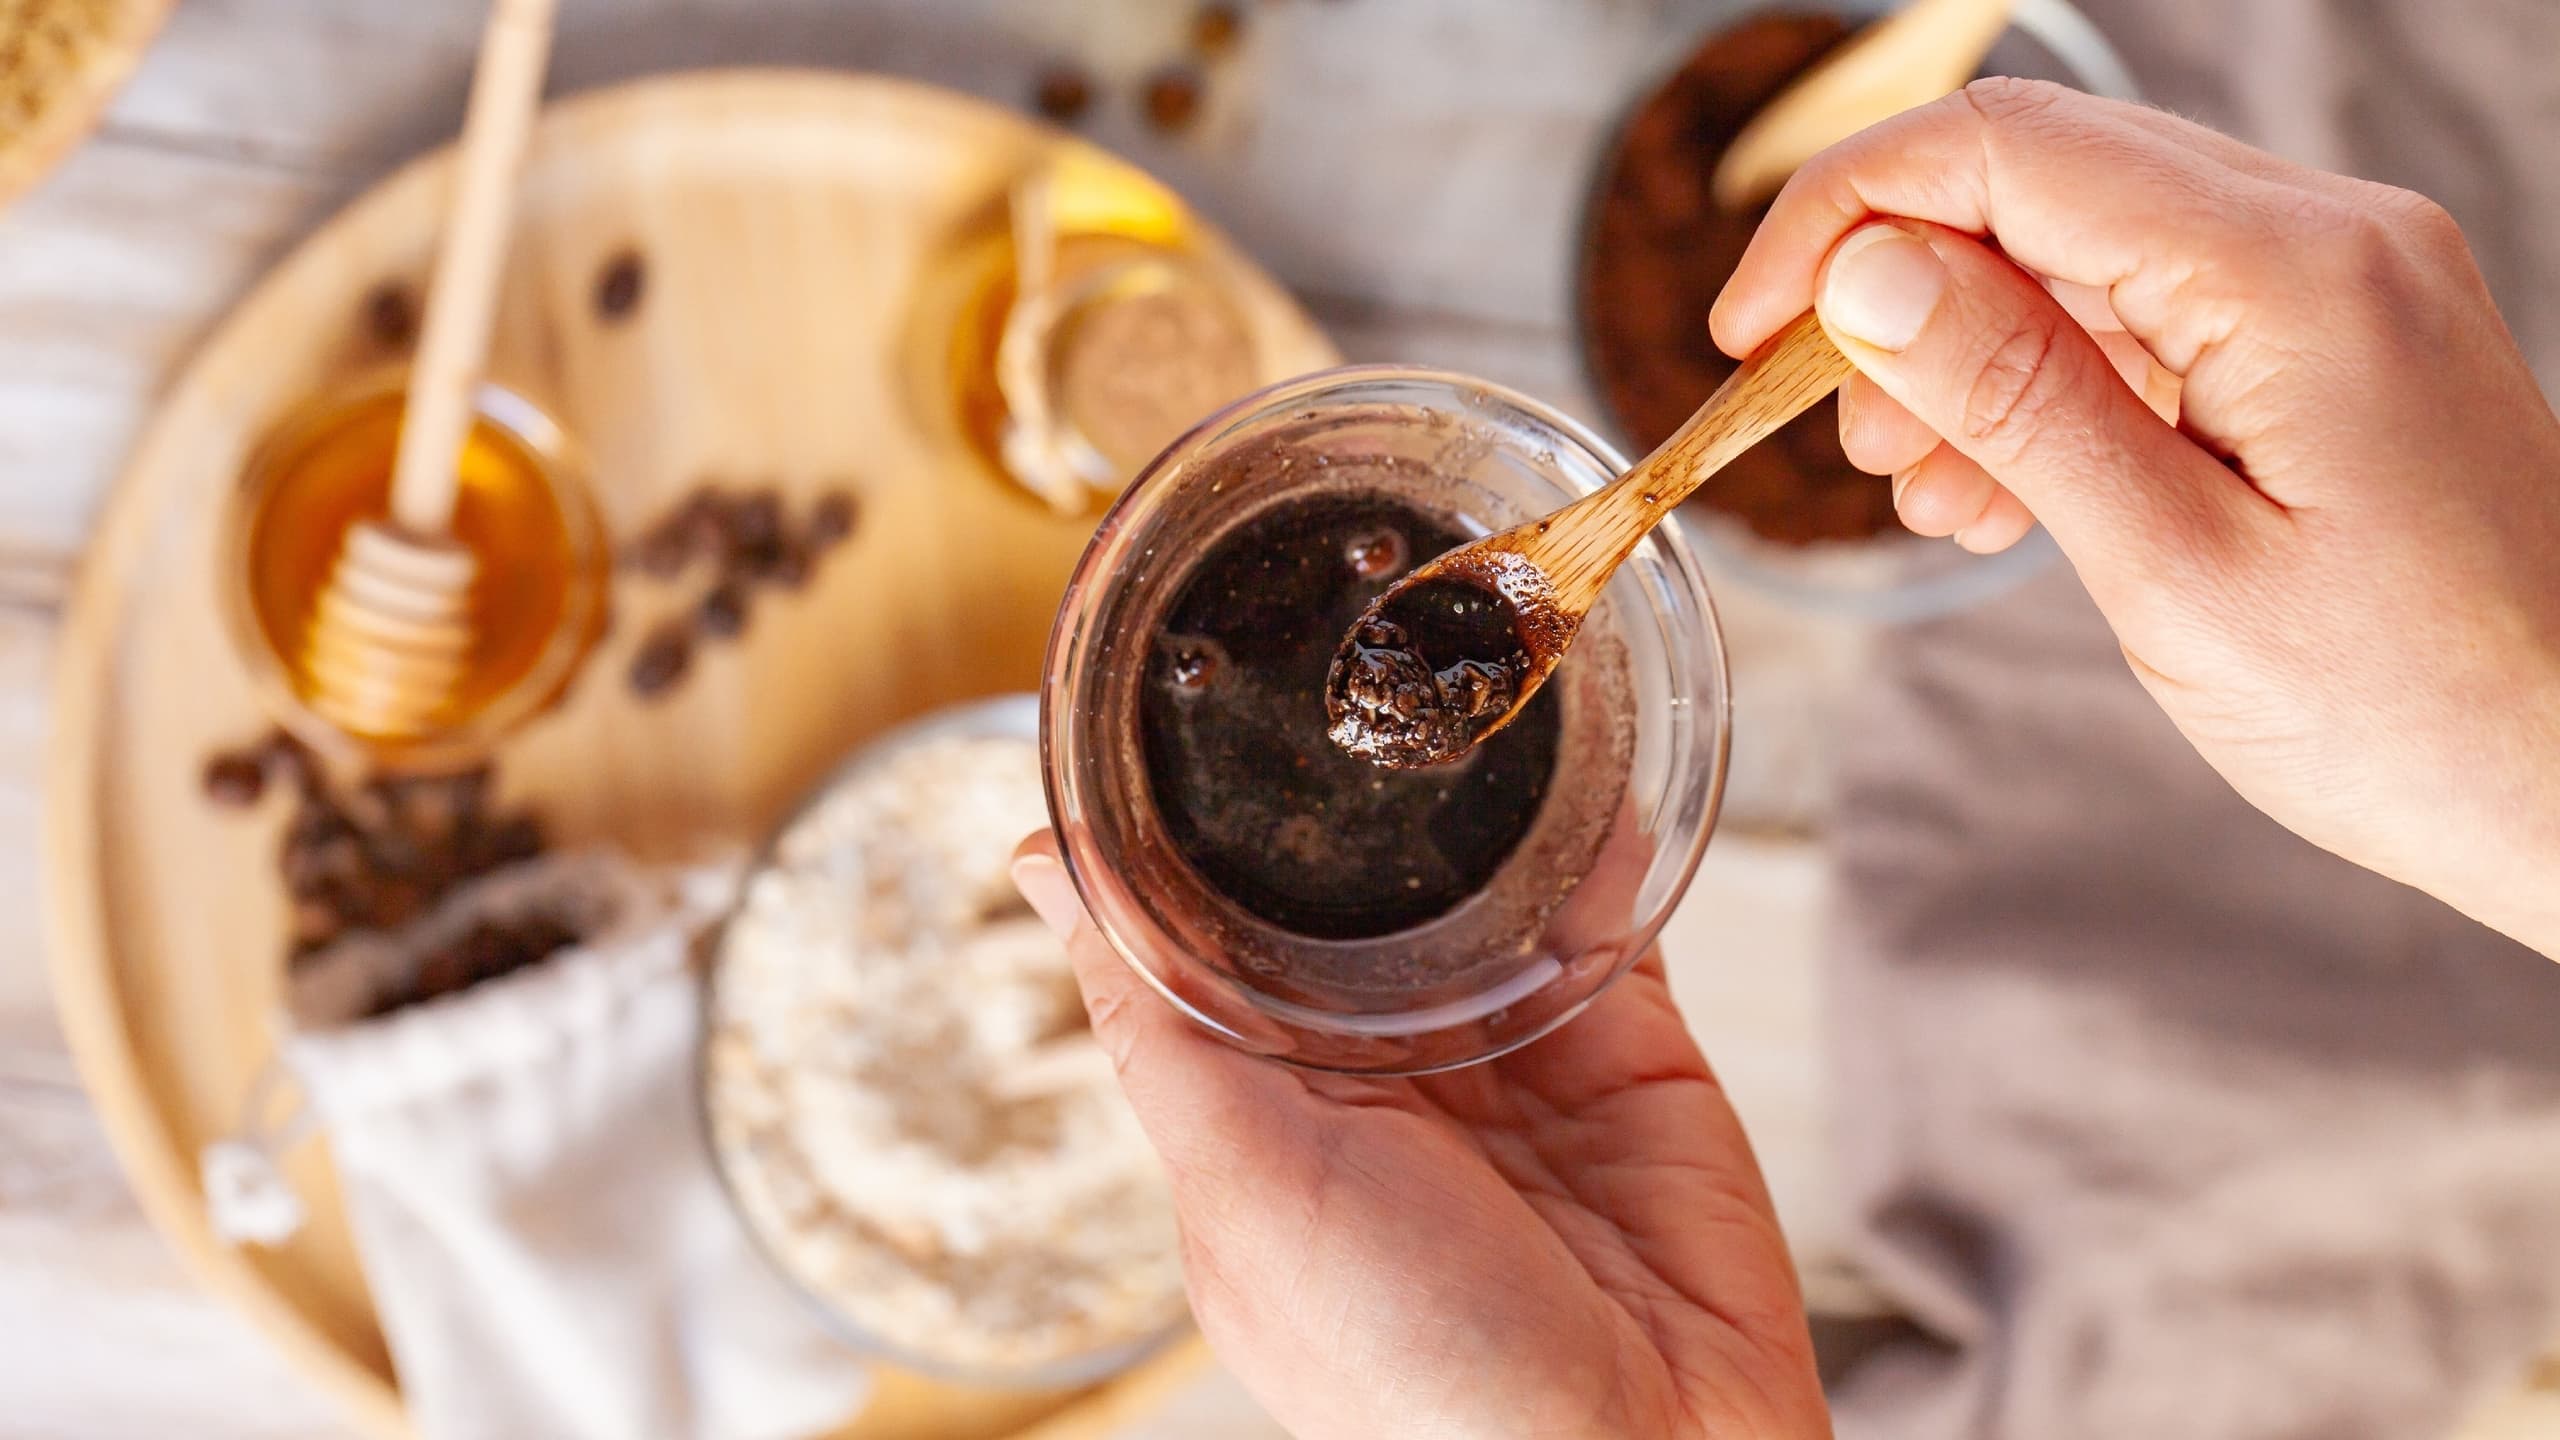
1449,654
391,641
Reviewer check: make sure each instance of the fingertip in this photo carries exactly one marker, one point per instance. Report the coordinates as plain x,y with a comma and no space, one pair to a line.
2003,523
1748,311
1877,434
1943,493
1043,880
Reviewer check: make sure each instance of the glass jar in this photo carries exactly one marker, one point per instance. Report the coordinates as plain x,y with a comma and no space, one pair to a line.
1893,577
538,595
1639,759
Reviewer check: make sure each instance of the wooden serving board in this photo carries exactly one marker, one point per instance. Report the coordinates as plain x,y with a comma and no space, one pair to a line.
786,221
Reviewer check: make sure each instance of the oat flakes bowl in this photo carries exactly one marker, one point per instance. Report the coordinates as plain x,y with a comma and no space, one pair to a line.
899,1091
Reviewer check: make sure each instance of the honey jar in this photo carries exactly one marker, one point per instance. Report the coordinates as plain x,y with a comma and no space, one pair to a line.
537,600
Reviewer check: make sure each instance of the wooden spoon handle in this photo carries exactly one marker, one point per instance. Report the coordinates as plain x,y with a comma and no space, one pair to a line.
1580,546
453,339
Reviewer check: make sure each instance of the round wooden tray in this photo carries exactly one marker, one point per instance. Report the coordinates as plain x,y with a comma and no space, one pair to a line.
787,334
81,97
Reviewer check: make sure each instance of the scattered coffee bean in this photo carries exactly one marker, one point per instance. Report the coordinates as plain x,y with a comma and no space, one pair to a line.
376,853
512,840
321,852
663,550
832,519
391,315
1215,29
1064,94
315,923
488,949
755,522
662,661
1171,100
619,284
289,761
234,779
788,565
751,539
723,613
435,808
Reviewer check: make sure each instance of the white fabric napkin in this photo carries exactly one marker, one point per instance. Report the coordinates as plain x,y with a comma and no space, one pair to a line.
525,1171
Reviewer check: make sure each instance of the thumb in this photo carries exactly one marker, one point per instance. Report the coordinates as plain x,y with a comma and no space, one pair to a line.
1981,353
1198,1099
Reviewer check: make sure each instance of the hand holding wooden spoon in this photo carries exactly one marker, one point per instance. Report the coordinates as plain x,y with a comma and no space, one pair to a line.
1450,653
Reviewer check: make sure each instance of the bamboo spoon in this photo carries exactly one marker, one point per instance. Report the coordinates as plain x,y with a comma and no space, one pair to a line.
389,645
1911,57
1450,653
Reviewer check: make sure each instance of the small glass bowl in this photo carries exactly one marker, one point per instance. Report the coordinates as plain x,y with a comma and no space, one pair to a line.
1007,717
1645,728
523,509
1896,577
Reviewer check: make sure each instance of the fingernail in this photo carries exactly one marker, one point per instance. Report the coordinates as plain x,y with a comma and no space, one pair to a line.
1902,482
1882,286
1044,883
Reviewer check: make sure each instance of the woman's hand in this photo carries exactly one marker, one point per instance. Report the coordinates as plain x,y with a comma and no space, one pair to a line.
2311,483
1569,1241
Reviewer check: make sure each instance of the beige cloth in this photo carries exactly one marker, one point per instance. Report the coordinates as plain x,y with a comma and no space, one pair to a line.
2160,1122
526,1172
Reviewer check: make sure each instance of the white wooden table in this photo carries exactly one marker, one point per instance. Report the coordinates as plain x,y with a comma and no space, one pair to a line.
1411,167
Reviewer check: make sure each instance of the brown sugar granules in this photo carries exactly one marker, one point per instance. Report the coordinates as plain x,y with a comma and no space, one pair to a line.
1657,252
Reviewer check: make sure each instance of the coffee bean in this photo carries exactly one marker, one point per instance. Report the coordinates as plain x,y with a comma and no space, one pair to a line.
315,923
391,315
832,519
661,662
433,809
619,284
755,521
1171,100
722,613
1063,94
663,550
441,971
789,566
320,851
516,839
234,780
288,759
1215,30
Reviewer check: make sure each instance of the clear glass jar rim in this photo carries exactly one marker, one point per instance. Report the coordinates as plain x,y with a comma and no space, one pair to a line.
1100,571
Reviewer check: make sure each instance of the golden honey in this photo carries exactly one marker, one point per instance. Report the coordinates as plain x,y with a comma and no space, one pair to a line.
537,596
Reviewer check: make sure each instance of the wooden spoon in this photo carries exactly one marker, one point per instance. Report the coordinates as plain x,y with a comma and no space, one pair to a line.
1911,57
389,645
1450,653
